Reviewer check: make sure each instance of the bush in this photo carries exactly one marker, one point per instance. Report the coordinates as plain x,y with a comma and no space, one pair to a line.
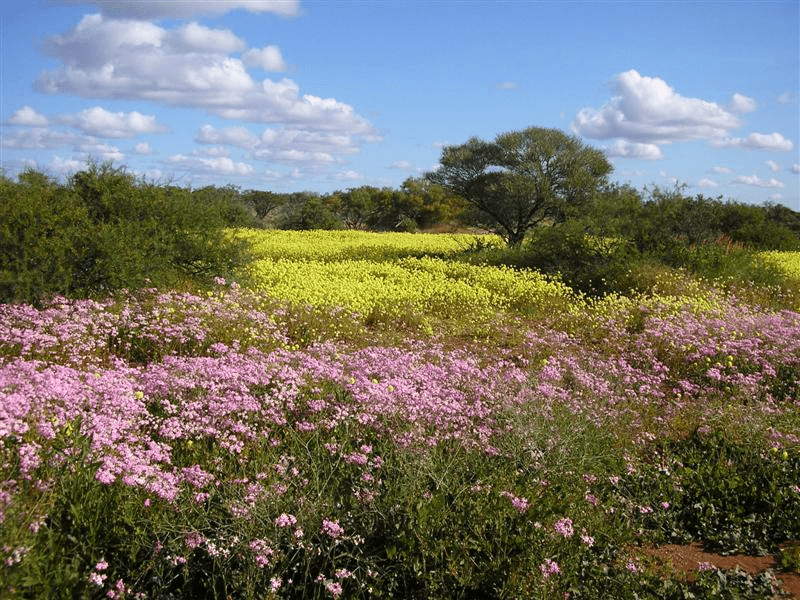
105,230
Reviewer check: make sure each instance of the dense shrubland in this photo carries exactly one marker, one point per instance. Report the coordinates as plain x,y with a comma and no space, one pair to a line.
375,415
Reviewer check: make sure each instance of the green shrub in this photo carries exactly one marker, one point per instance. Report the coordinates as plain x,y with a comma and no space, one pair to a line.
105,230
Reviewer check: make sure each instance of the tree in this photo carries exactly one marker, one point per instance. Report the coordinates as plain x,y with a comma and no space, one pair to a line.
522,178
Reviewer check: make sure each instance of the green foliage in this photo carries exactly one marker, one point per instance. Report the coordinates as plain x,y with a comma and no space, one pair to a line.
732,496
310,212
43,238
105,230
522,178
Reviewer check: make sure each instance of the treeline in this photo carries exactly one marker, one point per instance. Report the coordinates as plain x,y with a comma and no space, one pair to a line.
105,229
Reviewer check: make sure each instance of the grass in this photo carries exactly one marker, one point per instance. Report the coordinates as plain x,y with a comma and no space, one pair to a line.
503,437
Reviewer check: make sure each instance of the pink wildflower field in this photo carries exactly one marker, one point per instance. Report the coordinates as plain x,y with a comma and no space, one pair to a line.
226,445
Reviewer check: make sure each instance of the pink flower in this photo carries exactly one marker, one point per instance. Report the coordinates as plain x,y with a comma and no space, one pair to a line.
332,528
549,567
334,588
285,520
97,579
564,527
101,566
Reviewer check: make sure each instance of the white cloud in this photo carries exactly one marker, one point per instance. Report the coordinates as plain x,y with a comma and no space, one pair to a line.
756,141
741,104
776,197
100,151
143,149
795,168
99,122
269,58
65,166
506,85
39,139
147,9
647,110
787,97
721,170
707,183
232,136
756,181
215,165
773,166
107,58
626,149
28,117
283,145
347,176
196,37
400,164
212,151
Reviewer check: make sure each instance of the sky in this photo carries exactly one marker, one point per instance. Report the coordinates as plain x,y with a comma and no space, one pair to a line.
324,95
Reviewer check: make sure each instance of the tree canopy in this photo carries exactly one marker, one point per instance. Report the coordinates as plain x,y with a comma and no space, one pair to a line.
522,178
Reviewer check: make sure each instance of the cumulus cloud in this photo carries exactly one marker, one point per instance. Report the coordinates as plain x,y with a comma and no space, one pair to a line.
287,145
741,104
188,66
143,149
100,151
756,141
213,165
721,170
39,138
400,164
347,176
795,168
707,183
773,166
756,181
269,58
147,9
233,136
194,37
648,110
99,122
627,149
28,117
65,166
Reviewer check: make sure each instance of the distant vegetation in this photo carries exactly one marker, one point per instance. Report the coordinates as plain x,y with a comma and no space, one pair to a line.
105,229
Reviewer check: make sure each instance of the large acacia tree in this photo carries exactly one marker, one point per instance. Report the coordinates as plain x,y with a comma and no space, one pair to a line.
522,178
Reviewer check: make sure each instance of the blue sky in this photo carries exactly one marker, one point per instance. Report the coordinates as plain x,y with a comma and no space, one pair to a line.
326,95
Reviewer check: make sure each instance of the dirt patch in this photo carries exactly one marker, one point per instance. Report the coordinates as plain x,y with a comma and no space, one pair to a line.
687,558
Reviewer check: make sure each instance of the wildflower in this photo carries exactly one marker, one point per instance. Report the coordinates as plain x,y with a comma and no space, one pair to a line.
285,520
101,566
588,540
332,528
705,566
549,567
275,583
631,566
343,574
334,588
97,578
564,527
